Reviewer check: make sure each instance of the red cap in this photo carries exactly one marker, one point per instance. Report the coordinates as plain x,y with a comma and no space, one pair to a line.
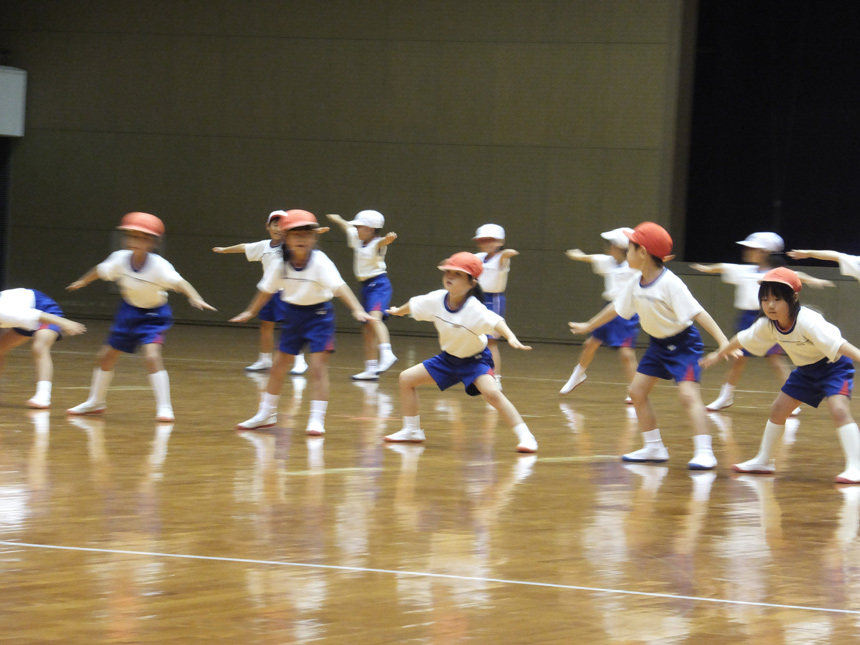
296,217
465,262
783,276
653,238
143,222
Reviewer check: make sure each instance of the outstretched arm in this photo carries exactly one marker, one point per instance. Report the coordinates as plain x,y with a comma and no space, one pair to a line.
710,325
579,256
507,254
257,302
601,318
731,348
341,222
236,248
387,239
502,329
802,254
90,276
402,310
348,298
68,327
184,287
707,268
848,350
815,283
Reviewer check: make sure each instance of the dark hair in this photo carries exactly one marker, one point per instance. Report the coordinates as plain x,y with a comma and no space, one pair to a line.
657,261
285,251
782,292
477,291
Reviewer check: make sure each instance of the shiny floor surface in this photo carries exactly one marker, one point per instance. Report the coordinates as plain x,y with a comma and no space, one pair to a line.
121,530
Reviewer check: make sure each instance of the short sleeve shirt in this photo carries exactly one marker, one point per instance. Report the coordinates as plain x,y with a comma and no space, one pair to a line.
665,306
264,252
494,278
18,309
369,259
746,278
462,332
615,275
145,287
312,284
810,340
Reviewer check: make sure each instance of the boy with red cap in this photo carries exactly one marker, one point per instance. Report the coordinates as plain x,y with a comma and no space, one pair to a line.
463,323
143,317
666,311
824,369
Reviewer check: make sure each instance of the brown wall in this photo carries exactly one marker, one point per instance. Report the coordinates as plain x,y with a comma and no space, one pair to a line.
555,119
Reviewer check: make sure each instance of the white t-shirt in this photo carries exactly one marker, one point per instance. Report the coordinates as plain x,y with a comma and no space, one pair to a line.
18,309
494,279
746,278
462,333
808,341
615,275
849,265
145,288
264,252
314,283
665,306
369,260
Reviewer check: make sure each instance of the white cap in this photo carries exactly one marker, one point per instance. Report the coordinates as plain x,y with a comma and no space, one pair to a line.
490,231
373,219
618,236
770,242
275,214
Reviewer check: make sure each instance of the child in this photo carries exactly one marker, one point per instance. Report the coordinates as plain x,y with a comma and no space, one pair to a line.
759,249
666,311
848,264
32,314
266,252
490,239
463,324
362,235
618,332
824,369
307,281
143,316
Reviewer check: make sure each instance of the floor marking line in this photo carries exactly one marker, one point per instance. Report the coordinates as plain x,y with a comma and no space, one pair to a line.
526,583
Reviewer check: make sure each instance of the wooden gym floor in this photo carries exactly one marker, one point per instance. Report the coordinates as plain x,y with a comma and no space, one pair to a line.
121,530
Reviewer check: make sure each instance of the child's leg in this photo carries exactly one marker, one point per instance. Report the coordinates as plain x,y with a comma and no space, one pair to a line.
627,356
763,462
691,399
490,390
653,451
409,381
727,391
43,340
589,349
319,389
102,376
849,437
386,356
493,345
267,345
159,380
9,339
371,342
267,411
782,370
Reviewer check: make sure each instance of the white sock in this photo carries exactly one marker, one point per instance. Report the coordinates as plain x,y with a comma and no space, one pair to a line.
43,388
99,386
849,437
652,436
384,347
702,442
265,357
269,402
318,410
371,366
160,383
522,431
412,423
578,371
772,434
727,391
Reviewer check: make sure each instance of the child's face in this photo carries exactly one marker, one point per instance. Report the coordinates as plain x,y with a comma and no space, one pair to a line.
776,309
301,241
617,253
365,233
274,228
457,283
755,256
636,256
489,244
139,241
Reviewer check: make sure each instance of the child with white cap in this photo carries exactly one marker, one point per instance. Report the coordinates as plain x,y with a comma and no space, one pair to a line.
266,252
824,369
463,324
490,238
666,311
760,250
26,314
619,332
143,317
363,237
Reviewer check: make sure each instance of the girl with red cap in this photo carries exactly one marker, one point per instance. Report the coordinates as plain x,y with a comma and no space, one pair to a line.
306,280
266,252
824,369
666,311
463,323
143,317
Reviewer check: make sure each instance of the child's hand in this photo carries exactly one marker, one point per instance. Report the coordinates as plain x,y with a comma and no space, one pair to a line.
699,267
711,359
77,284
71,328
390,237
396,311
797,254
578,328
575,254
218,249
818,283
245,316
516,344
362,316
199,303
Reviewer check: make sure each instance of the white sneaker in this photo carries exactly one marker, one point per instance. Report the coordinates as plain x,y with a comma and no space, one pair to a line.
754,467
88,408
366,376
300,365
386,360
702,460
315,428
651,453
628,401
259,420
407,435
261,365
720,403
165,415
38,402
572,382
850,476
795,412
527,444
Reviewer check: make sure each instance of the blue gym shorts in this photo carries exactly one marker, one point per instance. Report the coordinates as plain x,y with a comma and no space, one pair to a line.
135,326
811,384
273,311
448,370
674,358
311,325
496,303
45,305
376,294
618,332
